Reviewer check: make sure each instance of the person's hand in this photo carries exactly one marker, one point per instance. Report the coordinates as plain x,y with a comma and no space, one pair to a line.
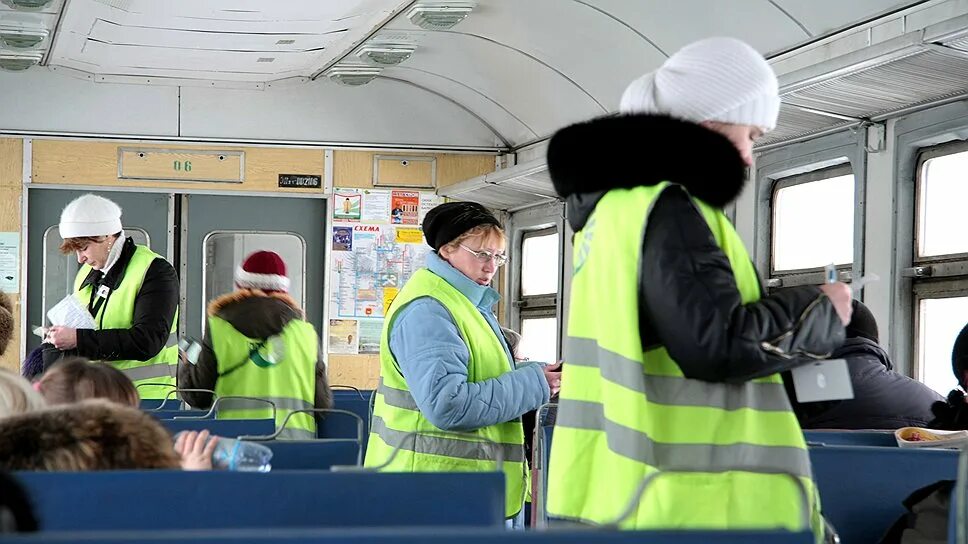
552,374
195,449
62,337
839,295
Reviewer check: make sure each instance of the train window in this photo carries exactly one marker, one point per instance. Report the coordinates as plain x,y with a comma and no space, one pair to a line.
941,193
938,324
60,270
539,338
225,250
940,258
539,266
813,221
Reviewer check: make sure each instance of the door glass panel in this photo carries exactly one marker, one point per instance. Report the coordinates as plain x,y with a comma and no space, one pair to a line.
804,239
942,192
539,339
939,322
225,251
60,270
539,267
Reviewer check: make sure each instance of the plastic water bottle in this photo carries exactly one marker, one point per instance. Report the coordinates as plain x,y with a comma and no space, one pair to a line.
239,455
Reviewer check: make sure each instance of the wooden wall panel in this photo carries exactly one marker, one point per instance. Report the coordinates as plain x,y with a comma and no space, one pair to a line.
11,182
66,162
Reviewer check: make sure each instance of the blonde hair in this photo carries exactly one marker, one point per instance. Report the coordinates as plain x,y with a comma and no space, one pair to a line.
487,231
17,396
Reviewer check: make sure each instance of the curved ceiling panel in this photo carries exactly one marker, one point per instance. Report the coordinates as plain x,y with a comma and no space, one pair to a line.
326,112
597,52
671,25
823,16
538,94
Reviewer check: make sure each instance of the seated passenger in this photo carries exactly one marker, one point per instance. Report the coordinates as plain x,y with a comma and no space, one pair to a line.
91,435
17,396
75,379
258,344
883,398
952,414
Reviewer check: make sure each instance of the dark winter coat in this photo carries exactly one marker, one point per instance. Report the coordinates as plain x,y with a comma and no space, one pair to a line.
688,299
883,398
257,315
154,313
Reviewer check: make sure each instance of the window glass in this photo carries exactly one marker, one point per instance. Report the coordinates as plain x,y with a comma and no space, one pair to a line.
942,193
813,224
539,265
539,339
60,270
939,322
225,251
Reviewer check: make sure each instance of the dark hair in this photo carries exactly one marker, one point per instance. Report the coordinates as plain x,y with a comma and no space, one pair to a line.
75,379
959,357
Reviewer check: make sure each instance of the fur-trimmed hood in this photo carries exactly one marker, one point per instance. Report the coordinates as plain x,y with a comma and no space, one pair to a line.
6,321
90,435
641,150
255,313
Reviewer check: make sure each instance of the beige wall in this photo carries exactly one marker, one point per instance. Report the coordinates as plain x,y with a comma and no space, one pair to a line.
11,183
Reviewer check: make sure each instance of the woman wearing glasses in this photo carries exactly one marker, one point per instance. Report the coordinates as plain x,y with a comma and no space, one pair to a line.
445,367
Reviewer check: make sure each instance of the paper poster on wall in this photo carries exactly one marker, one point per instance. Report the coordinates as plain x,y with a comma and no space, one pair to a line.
10,262
342,238
344,337
405,207
409,236
371,331
376,207
347,205
428,201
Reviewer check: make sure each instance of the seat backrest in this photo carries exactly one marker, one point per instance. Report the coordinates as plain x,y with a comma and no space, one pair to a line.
851,438
230,428
313,454
862,488
160,500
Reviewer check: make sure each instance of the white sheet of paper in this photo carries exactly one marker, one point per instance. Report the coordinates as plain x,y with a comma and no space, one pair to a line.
69,312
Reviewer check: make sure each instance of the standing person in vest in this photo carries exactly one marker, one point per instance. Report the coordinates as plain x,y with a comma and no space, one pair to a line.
131,291
259,344
444,365
673,352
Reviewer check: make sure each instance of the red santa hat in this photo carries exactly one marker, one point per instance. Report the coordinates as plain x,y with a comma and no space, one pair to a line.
263,270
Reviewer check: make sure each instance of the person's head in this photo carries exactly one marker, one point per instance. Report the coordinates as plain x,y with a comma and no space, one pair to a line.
91,435
264,271
720,83
6,321
17,396
959,358
75,379
90,226
469,237
862,323
513,338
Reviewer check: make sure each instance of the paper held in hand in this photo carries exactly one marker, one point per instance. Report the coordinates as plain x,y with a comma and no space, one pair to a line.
69,312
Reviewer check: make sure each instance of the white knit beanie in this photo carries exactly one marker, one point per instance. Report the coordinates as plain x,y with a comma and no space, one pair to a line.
716,79
90,215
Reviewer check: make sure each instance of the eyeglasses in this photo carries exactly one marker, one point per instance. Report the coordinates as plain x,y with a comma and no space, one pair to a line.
500,259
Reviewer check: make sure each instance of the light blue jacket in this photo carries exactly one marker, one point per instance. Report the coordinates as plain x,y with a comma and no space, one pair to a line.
433,358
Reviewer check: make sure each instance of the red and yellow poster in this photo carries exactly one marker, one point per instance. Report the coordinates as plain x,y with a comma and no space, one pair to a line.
404,207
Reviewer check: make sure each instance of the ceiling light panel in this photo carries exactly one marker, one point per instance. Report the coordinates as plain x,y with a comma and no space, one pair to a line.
439,15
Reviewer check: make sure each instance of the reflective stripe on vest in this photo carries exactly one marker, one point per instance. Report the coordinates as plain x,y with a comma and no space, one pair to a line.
625,413
290,383
398,423
117,312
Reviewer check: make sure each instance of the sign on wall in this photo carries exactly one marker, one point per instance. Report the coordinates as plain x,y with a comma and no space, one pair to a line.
181,164
377,245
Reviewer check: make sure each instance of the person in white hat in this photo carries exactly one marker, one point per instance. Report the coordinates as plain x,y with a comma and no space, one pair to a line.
674,352
132,293
258,344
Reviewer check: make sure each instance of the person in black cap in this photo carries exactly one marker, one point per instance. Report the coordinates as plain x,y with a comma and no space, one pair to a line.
445,366
883,398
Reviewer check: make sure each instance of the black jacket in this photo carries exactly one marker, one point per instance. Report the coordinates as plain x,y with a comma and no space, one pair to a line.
154,313
688,299
256,315
883,398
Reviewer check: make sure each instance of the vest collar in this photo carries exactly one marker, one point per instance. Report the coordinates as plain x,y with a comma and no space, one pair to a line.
482,296
115,274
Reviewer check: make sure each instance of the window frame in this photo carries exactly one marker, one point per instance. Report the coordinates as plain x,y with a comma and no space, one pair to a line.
943,150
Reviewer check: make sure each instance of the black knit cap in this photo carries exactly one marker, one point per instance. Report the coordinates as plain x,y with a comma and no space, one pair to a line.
862,323
448,221
959,357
